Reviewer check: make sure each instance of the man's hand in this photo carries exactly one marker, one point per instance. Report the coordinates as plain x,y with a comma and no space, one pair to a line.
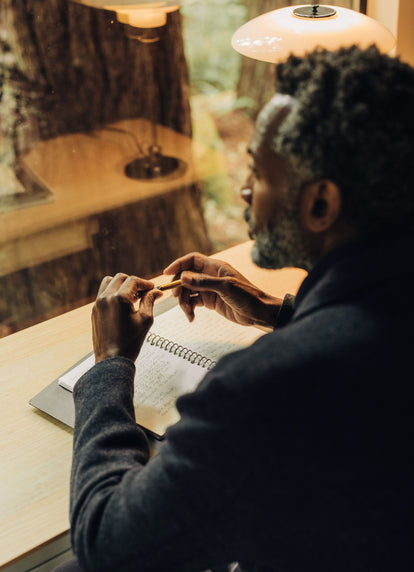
221,288
120,321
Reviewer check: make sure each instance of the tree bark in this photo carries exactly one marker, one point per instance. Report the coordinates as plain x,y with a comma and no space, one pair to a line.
257,79
68,68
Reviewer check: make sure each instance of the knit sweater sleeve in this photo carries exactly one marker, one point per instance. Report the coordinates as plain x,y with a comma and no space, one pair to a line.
129,513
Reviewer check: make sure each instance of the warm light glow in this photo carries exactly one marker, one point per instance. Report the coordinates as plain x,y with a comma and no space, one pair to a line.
139,14
144,17
275,35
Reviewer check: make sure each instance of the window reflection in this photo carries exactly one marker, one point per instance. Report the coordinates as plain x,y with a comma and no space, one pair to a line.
117,153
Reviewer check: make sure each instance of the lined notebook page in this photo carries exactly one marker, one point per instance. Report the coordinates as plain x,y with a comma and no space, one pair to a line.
161,375
209,334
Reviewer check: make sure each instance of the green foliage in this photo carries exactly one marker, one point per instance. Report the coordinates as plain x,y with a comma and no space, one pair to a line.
218,190
214,68
208,28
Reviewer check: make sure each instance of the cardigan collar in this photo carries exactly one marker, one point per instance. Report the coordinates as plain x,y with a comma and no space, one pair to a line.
355,267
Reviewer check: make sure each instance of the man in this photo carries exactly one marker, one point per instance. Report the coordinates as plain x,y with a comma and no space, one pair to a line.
296,453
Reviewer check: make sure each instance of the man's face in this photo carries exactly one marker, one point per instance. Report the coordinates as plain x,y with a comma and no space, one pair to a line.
273,197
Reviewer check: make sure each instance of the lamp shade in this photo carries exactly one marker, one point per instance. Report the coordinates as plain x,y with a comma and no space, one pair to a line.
137,13
273,36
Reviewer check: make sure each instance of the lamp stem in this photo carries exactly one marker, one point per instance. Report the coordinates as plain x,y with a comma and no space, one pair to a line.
363,6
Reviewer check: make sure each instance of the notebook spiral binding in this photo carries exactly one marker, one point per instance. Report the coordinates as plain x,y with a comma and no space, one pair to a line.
179,350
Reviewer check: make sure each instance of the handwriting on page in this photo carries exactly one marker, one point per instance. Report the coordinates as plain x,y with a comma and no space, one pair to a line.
161,377
164,375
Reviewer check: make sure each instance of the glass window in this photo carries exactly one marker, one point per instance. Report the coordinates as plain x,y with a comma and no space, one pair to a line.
122,145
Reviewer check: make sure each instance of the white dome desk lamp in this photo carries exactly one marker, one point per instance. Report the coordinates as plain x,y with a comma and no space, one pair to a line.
273,36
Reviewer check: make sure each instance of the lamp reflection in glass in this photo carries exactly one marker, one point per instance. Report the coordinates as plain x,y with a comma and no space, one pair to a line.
273,36
141,19
138,14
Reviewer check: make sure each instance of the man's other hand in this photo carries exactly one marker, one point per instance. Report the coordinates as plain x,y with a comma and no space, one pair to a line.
221,288
122,316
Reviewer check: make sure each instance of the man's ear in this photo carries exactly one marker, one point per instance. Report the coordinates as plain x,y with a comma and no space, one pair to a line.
320,205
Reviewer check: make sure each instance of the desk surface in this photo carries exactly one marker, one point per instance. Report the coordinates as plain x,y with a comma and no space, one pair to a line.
35,449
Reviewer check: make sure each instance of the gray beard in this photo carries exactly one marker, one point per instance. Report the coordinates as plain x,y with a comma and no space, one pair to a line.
278,245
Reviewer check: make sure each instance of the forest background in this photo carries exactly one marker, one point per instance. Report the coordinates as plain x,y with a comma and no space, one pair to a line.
227,92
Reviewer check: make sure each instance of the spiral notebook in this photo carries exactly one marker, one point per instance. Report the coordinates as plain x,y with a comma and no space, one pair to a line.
173,359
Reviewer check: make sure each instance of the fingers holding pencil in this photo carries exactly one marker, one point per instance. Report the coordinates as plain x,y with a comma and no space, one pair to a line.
175,284
187,299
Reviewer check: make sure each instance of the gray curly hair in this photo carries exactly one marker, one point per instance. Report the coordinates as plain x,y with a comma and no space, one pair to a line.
353,123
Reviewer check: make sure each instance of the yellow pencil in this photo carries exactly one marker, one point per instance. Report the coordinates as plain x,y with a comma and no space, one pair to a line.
174,284
169,285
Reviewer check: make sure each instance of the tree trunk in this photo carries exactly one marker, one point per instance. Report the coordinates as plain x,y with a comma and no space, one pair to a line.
257,79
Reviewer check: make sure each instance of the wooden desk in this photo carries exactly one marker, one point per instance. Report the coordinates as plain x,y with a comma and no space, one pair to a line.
36,450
